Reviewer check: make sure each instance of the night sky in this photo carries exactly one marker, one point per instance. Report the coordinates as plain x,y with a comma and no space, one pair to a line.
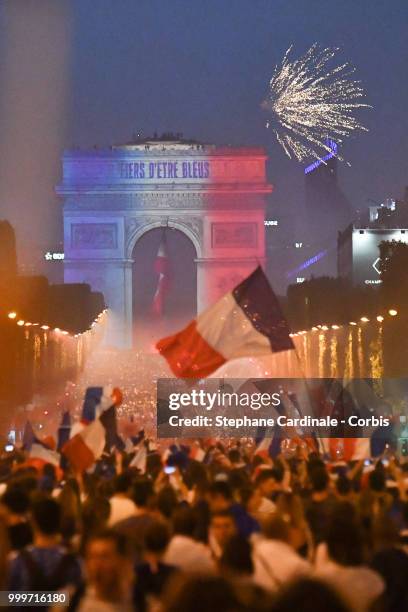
101,70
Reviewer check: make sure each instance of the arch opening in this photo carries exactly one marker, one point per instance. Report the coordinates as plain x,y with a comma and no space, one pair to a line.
180,293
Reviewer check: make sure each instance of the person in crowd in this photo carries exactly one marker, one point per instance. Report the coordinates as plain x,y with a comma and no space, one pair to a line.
15,504
391,562
134,527
374,498
276,562
109,576
167,501
45,565
184,551
70,503
220,498
340,561
289,506
233,531
203,593
236,459
308,595
343,488
260,503
222,527
95,514
236,559
48,479
269,484
121,504
320,504
236,564
153,574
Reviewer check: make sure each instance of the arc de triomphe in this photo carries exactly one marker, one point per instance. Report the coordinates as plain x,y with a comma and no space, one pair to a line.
214,195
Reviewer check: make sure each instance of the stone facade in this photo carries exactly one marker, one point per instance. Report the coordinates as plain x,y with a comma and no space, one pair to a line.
214,195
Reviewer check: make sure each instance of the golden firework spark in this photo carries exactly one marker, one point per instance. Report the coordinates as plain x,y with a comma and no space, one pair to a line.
311,105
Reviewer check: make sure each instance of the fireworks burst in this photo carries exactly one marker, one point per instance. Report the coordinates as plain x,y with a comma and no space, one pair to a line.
310,103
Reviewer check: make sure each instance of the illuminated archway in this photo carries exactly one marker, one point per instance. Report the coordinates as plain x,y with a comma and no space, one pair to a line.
180,303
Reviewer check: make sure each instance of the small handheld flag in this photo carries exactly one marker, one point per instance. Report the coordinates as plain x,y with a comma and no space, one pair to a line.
161,267
99,431
97,400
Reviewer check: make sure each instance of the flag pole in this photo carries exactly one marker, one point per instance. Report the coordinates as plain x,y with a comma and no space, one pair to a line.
299,361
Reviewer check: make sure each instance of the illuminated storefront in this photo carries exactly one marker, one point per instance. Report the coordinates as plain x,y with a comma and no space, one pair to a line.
358,252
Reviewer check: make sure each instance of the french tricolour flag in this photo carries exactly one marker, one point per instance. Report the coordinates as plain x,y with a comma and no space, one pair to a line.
40,455
84,448
246,322
98,428
97,400
162,268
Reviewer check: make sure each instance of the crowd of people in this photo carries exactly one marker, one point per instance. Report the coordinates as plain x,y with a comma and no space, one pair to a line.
235,531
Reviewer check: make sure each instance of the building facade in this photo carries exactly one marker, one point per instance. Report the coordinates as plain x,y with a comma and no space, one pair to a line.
358,253
112,197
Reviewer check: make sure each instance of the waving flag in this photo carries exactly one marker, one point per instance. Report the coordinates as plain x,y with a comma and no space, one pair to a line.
246,322
270,445
40,454
263,446
83,449
99,410
97,400
64,430
162,268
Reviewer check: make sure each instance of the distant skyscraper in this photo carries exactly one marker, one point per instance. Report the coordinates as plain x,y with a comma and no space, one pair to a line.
327,211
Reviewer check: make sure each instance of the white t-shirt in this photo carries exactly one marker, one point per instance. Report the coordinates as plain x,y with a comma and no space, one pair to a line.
120,508
266,506
359,586
276,563
188,554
